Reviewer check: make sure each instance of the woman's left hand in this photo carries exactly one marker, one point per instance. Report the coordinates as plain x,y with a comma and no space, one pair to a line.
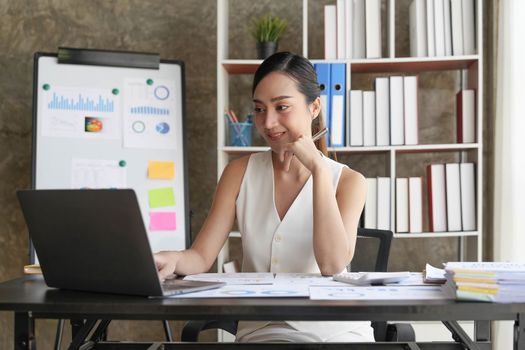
304,150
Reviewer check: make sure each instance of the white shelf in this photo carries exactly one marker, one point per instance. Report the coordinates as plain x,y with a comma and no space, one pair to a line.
371,149
470,76
436,234
378,65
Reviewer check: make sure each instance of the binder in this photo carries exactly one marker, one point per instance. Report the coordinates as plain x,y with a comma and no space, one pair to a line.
466,116
330,32
415,204
369,118
418,28
410,110
356,118
437,203
439,27
402,204
359,35
469,30
448,29
468,196
323,78
349,42
457,27
371,203
373,28
340,29
453,196
383,203
430,29
397,119
382,111
337,114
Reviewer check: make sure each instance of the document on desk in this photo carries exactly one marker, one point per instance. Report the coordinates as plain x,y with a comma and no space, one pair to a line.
244,278
309,279
251,291
415,279
378,293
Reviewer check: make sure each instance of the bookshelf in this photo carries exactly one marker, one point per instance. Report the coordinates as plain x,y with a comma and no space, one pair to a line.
459,72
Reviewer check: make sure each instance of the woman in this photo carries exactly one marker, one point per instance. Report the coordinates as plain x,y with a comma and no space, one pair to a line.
296,209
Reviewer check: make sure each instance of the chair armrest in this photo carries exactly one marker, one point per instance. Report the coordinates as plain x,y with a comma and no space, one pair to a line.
191,330
400,332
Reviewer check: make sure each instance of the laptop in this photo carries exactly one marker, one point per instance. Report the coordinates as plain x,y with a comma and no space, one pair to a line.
96,241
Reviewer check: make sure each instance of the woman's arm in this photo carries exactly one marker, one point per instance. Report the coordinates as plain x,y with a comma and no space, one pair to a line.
208,243
336,217
336,211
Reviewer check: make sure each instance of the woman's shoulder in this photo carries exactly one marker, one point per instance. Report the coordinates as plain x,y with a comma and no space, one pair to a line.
238,166
349,177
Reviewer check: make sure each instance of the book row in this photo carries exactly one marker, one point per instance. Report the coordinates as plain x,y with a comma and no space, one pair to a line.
386,116
451,197
352,29
451,200
442,28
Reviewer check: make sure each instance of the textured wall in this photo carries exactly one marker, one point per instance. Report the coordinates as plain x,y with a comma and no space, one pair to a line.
186,30
177,29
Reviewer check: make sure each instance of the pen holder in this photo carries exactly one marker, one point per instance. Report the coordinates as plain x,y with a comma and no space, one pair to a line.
240,134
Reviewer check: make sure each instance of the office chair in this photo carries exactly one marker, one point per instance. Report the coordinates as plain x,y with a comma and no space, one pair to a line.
370,243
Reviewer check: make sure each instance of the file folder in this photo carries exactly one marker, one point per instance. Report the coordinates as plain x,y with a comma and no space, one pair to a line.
337,116
323,78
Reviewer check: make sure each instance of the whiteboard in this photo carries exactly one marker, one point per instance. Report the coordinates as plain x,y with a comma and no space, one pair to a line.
115,127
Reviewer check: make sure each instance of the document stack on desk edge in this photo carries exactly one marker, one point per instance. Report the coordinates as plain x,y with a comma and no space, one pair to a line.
498,282
434,275
370,278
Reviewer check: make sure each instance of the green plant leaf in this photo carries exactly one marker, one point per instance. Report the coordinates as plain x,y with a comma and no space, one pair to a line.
267,28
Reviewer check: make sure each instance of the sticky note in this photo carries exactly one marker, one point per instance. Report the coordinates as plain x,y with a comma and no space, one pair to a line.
161,197
164,170
162,221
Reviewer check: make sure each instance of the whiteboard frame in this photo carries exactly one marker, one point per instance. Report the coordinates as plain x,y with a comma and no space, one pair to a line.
186,210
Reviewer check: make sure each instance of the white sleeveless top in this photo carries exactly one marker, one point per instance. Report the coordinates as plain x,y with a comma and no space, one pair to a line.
272,245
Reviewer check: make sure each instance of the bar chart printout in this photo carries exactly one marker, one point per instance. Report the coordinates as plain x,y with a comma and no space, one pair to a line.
80,112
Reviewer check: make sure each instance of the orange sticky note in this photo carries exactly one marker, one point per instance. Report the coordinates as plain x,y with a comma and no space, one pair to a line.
163,170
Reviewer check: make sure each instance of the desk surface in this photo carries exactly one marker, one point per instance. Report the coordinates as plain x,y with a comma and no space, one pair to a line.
30,294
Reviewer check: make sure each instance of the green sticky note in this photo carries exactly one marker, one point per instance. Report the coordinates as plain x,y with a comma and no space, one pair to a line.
161,197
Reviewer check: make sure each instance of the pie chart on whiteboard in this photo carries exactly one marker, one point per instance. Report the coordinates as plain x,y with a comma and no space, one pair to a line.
162,128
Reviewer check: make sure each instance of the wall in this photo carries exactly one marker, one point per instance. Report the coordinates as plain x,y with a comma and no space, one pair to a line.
152,26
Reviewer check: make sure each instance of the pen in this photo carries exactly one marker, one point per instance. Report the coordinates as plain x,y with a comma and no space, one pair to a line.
318,135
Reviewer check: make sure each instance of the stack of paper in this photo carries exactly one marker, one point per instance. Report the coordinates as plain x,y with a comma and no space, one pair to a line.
498,282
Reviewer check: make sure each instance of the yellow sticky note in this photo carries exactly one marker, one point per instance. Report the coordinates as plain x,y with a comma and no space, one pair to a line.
164,170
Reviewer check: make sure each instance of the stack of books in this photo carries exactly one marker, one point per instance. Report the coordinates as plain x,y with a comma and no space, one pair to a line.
451,197
347,34
442,28
498,282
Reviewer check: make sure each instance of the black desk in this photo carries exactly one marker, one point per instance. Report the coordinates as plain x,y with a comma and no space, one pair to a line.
30,298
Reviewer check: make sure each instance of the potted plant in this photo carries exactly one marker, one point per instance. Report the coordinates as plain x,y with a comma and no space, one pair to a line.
267,31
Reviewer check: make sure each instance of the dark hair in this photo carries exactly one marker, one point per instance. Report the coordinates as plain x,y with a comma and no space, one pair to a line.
303,73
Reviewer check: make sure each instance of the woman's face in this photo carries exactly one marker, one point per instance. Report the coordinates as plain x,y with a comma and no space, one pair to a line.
281,111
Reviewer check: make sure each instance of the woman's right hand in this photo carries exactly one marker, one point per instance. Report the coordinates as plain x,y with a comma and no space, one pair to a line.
166,263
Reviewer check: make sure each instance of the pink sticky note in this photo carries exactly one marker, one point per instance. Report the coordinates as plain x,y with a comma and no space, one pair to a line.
162,221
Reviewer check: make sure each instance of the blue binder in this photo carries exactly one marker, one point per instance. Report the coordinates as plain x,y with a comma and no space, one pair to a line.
337,106
323,78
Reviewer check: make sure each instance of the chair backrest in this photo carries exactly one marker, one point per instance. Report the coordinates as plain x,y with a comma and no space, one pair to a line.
372,250
371,254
